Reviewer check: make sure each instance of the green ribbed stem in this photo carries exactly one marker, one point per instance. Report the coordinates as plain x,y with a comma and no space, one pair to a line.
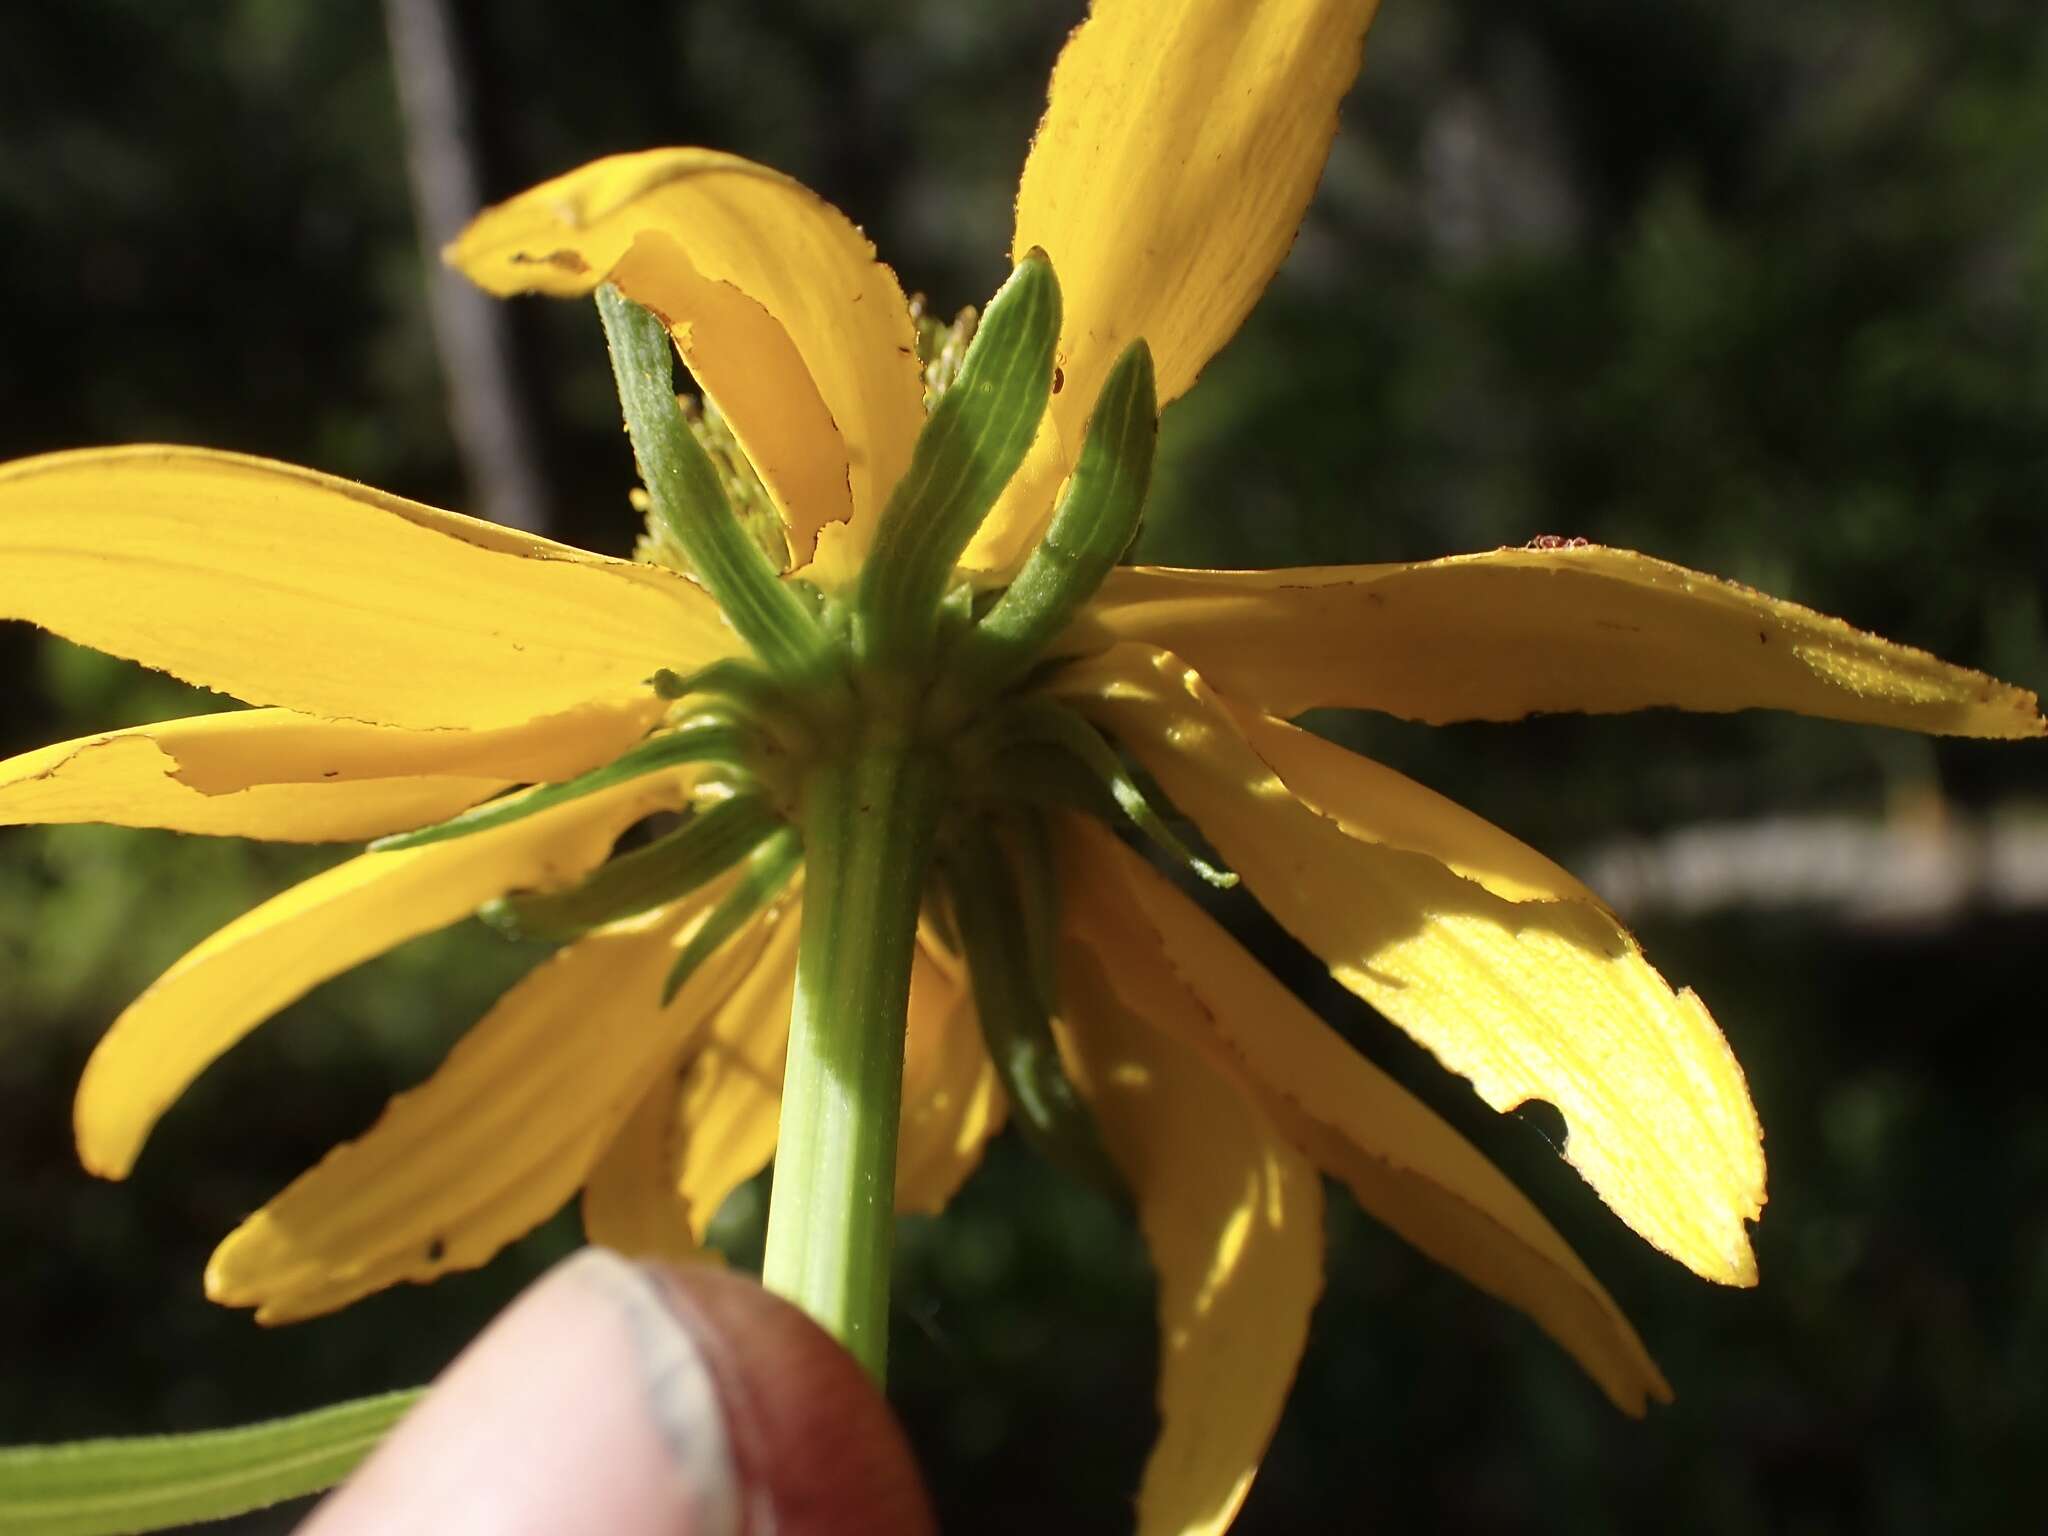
868,818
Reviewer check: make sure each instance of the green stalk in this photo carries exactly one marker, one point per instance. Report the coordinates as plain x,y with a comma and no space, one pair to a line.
868,818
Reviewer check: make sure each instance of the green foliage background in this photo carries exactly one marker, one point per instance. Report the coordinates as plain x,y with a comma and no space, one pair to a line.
1757,287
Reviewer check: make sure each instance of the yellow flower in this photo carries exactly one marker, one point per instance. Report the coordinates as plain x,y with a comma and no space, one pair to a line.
408,663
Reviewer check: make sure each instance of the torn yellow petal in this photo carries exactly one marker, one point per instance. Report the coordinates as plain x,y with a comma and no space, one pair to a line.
1516,632
1170,963
496,1140
674,227
1180,145
1233,1217
730,1103
129,778
284,586
1547,1000
1391,809
268,957
952,1102
746,363
287,777
221,754
629,1203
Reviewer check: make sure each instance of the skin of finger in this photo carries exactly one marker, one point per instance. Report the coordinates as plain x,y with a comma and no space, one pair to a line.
642,1401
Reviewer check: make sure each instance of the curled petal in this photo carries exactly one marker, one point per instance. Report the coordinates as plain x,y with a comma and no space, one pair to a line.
285,586
629,1201
133,778
1530,999
1167,960
1233,1217
1515,632
730,1103
286,777
283,949
223,754
501,1134
952,1103
1180,145
775,299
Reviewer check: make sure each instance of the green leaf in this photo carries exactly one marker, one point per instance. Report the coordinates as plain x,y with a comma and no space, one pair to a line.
977,436
1095,523
154,1482
708,844
707,739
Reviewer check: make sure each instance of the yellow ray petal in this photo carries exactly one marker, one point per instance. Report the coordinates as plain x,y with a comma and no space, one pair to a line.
502,1133
284,586
1233,1216
777,301
1391,809
1549,1000
1516,632
1180,144
1171,964
221,754
286,777
952,1102
128,779
283,949
731,1098
629,1201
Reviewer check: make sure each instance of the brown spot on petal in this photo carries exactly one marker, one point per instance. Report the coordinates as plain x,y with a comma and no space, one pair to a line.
567,261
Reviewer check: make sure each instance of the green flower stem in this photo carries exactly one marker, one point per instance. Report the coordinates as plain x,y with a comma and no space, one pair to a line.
683,485
869,817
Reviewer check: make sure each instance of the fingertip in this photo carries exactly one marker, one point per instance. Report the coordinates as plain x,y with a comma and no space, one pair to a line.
642,1399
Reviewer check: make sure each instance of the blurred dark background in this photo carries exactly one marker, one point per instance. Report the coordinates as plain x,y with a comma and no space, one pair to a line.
1758,287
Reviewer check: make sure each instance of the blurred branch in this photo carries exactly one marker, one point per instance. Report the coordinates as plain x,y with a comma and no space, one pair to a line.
1925,872
470,334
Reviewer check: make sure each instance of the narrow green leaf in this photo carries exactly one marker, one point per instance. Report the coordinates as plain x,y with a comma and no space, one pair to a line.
690,504
154,1482
709,739
769,868
971,446
1012,998
708,844
1095,523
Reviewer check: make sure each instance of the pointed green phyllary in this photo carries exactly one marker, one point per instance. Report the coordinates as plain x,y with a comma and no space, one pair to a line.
711,738
769,868
1015,1007
708,844
683,487
156,1482
1032,726
970,447
1095,523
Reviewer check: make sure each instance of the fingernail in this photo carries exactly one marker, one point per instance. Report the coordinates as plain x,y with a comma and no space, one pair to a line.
672,1368
814,1449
